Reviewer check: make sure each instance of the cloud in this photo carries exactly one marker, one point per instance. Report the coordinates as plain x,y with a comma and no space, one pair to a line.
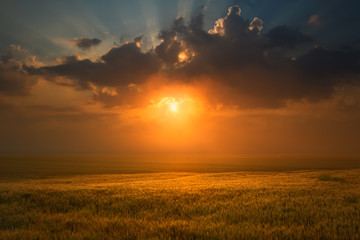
237,63
14,81
18,48
284,36
118,68
86,43
169,49
256,25
331,63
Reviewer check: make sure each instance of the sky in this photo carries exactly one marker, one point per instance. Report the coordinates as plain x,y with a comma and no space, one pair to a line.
171,76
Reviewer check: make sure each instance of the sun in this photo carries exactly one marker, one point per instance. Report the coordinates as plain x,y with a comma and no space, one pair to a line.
174,107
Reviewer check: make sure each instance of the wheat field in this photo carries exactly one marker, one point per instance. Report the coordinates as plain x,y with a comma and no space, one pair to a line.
306,204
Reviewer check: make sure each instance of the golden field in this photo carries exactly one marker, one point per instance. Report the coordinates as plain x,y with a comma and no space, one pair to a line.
299,204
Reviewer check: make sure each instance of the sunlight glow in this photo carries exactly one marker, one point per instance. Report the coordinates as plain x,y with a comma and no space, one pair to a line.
182,57
186,56
173,107
170,105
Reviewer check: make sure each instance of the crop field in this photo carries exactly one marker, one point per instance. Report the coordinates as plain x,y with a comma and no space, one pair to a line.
267,204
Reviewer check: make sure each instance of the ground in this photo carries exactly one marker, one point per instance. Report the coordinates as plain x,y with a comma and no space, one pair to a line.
297,204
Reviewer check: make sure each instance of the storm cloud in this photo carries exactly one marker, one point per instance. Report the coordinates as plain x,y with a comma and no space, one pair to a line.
248,68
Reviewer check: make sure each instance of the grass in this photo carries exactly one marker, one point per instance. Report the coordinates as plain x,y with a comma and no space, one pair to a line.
327,177
318,204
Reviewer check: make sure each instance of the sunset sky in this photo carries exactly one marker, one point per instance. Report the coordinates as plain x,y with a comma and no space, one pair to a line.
172,76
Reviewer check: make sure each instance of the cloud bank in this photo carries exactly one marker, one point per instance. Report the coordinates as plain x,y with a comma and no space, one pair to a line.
243,65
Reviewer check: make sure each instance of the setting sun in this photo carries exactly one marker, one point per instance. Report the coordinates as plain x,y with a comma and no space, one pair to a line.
173,107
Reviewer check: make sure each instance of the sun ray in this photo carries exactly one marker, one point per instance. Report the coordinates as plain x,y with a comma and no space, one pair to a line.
151,16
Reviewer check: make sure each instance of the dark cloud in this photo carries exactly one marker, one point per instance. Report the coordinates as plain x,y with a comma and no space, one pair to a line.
14,81
169,49
322,62
285,36
245,66
119,67
86,43
237,57
139,39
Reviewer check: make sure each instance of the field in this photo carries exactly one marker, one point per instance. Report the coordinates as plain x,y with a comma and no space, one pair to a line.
206,203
